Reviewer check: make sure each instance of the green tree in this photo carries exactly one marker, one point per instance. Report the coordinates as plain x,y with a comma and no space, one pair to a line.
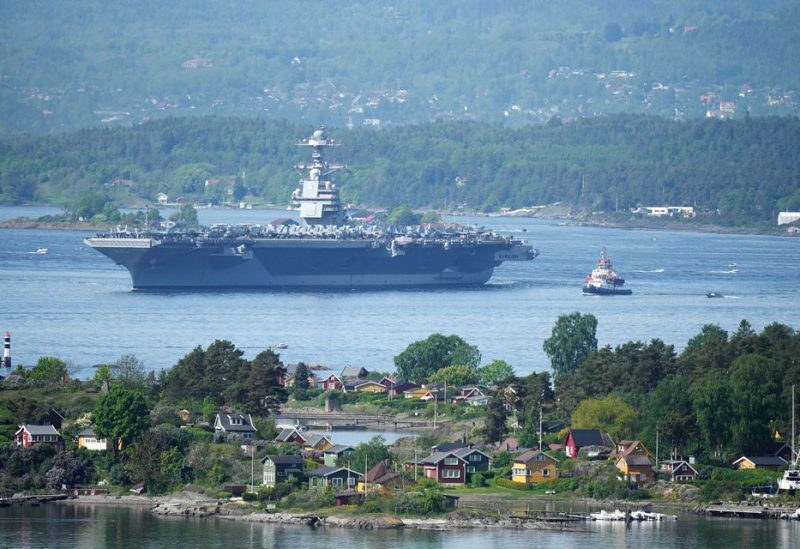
574,337
301,383
129,372
455,375
496,371
494,428
156,459
103,374
49,371
403,216
266,373
610,414
186,216
422,358
755,382
371,452
713,409
668,410
122,415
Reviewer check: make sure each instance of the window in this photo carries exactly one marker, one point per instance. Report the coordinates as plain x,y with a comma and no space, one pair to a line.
451,473
351,481
519,472
336,482
545,472
269,477
451,461
475,457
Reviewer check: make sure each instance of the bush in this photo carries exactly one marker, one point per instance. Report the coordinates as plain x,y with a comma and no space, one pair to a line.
506,483
275,493
477,481
250,496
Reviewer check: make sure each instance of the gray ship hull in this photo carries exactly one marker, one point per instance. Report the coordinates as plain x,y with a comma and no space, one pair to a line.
304,263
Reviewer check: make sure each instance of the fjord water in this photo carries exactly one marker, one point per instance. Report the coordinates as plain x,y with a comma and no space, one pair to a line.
90,526
76,304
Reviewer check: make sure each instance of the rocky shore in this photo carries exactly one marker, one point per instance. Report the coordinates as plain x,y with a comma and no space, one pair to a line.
192,505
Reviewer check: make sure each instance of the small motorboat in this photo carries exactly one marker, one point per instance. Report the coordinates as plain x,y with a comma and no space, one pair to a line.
714,294
41,251
280,346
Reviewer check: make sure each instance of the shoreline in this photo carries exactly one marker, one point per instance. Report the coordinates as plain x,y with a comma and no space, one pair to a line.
193,505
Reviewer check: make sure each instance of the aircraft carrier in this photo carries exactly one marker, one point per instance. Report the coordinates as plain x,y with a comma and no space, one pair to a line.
326,251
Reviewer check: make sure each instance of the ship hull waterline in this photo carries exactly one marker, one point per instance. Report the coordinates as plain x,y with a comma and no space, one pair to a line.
322,265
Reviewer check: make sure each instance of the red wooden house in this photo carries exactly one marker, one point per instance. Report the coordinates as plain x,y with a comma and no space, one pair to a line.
32,435
445,467
594,441
291,436
332,382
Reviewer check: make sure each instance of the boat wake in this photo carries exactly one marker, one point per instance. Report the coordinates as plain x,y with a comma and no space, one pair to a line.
649,270
731,271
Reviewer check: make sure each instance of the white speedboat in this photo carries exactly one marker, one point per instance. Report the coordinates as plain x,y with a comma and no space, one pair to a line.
41,251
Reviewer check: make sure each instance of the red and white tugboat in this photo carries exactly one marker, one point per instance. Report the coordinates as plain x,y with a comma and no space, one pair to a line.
604,280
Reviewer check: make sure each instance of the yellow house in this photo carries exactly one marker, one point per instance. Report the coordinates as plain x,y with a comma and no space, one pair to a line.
382,480
769,463
370,387
534,466
635,468
317,443
88,439
419,392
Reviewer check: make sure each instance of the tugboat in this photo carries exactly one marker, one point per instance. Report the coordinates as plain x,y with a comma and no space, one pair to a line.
603,280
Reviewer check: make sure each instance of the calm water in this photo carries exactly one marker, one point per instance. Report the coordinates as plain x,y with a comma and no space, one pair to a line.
76,304
87,526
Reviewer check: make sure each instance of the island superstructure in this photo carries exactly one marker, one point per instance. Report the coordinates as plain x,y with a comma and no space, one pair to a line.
324,252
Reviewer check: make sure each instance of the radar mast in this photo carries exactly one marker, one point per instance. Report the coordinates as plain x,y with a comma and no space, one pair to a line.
317,197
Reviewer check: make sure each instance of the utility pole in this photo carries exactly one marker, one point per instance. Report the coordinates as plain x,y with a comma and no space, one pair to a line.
253,468
657,462
366,480
794,454
415,465
540,425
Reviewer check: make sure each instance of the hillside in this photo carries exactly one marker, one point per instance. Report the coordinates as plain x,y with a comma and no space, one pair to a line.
747,169
65,66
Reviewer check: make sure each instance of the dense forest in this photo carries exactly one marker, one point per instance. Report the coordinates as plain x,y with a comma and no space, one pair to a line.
742,171
65,66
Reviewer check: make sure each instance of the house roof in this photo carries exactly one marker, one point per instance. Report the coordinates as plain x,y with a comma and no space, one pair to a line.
448,446
436,457
765,461
286,434
354,371
283,460
327,471
552,425
509,444
677,463
590,437
339,449
87,433
225,420
369,382
379,474
40,429
402,386
636,459
316,439
525,457
464,452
